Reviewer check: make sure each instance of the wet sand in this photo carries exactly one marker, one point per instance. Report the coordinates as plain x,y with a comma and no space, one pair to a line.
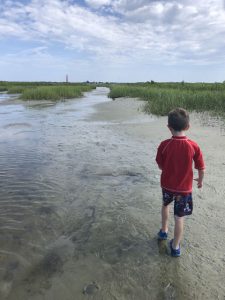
199,273
94,211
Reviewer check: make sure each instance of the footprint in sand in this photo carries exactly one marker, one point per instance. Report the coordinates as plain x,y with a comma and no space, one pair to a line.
91,288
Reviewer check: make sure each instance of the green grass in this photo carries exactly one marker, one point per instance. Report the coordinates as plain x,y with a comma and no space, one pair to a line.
15,89
45,90
3,88
54,92
161,98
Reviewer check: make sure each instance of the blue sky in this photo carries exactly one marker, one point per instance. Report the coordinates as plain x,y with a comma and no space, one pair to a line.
112,40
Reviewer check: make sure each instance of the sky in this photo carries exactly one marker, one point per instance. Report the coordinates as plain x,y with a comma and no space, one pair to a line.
112,40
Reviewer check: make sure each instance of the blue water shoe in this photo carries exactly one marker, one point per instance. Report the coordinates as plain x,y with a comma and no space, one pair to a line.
174,252
162,235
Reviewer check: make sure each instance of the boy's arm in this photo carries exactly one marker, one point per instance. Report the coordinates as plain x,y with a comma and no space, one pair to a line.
199,165
159,159
200,178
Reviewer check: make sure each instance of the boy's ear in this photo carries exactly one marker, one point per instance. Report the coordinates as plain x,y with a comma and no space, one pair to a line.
187,127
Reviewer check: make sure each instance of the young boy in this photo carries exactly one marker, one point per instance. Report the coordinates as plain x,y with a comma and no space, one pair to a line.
175,157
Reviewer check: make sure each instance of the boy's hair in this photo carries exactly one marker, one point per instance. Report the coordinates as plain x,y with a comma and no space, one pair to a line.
178,119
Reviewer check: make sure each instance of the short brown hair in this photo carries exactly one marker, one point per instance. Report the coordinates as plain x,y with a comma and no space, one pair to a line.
178,119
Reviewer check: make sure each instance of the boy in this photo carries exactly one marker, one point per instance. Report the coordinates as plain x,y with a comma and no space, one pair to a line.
175,157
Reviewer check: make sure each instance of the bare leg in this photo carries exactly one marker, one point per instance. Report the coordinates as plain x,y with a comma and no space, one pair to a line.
165,217
178,231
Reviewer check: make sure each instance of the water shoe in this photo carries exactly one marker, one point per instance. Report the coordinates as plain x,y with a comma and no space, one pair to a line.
162,235
174,252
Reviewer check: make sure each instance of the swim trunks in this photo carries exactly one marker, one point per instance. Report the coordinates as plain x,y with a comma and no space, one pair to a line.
183,205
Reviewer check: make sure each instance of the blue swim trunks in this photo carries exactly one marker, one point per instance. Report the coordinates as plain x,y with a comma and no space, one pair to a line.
183,205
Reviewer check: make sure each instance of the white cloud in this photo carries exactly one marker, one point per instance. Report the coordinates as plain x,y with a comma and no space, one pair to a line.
123,6
98,3
39,57
145,31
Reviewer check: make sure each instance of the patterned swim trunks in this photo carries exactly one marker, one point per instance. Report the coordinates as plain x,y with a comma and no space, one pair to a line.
183,205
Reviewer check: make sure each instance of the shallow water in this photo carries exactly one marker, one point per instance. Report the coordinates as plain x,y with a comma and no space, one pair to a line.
79,209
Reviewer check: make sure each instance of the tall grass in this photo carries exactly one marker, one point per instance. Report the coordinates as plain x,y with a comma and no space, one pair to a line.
3,88
54,92
199,86
45,90
15,89
160,100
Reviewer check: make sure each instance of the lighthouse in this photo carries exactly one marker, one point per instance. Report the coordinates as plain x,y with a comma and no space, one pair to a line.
67,80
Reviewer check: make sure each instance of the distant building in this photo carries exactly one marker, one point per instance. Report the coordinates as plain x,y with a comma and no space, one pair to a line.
67,78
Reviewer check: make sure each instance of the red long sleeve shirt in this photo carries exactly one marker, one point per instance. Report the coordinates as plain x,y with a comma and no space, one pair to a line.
175,157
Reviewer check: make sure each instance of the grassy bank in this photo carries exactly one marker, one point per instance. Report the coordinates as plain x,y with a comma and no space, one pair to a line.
161,98
45,90
16,89
54,92
3,88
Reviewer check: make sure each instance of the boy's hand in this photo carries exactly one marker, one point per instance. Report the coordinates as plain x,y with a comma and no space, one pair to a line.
199,182
200,178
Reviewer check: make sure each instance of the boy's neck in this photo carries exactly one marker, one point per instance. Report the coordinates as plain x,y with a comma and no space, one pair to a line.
178,133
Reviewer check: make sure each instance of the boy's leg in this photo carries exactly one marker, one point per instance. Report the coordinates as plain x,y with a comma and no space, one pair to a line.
178,231
183,206
165,211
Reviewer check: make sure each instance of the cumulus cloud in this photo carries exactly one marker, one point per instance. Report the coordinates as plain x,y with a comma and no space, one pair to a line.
168,31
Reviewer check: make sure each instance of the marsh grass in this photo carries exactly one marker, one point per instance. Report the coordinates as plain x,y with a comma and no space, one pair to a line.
15,89
54,92
3,89
160,99
45,90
